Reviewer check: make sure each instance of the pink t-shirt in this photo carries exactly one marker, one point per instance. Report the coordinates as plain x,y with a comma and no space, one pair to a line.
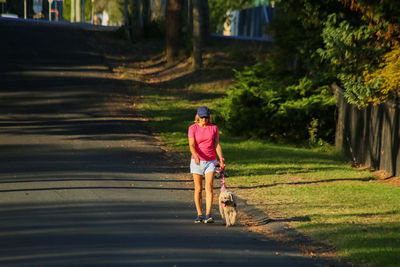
204,139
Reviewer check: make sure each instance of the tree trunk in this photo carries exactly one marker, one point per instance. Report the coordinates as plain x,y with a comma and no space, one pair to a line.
146,17
173,29
190,15
205,21
126,21
78,14
197,42
73,10
137,23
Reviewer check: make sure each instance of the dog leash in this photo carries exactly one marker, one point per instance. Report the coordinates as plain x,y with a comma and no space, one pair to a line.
221,171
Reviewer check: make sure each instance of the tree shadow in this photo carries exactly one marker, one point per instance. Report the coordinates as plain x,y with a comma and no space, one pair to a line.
125,233
303,183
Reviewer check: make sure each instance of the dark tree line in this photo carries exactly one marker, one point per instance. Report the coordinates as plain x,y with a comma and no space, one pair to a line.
191,15
197,23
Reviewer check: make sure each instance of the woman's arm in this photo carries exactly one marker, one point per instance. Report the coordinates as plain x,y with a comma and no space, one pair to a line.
192,147
218,149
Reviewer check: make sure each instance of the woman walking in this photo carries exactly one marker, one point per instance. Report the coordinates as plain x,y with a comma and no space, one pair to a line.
204,146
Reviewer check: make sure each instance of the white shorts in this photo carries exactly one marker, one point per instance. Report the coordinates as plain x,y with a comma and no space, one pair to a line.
203,168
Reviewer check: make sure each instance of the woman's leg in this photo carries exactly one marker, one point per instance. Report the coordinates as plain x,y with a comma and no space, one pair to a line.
198,187
209,191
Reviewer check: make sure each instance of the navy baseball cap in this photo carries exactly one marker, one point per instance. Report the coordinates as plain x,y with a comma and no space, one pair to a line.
203,112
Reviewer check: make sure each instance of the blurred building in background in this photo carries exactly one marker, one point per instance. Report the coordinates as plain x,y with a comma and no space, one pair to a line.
250,22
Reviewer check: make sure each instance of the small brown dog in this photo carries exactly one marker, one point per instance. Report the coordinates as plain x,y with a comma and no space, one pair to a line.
228,207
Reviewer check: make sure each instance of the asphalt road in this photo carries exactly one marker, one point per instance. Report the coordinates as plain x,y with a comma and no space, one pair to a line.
85,184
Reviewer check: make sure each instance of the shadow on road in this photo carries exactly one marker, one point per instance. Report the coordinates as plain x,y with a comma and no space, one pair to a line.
123,233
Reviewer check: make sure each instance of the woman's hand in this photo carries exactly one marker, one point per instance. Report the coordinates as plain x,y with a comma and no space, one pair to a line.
197,160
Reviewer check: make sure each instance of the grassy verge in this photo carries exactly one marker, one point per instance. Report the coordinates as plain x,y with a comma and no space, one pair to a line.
318,193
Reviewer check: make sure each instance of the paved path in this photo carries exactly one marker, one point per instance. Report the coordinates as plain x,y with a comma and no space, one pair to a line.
83,183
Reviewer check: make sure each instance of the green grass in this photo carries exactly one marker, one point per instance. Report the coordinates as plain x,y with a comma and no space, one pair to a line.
318,192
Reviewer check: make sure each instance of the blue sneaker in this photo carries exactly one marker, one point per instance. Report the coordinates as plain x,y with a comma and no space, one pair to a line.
199,219
208,219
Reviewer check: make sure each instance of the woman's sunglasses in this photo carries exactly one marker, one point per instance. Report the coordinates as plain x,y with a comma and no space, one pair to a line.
204,117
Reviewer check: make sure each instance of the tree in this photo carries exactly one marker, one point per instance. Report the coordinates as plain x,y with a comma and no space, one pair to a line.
338,40
190,15
173,29
137,22
146,17
200,28
386,78
197,36
115,9
126,21
204,21
73,11
358,42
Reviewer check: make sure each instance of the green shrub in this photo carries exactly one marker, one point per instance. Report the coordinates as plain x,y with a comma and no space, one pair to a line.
345,40
265,104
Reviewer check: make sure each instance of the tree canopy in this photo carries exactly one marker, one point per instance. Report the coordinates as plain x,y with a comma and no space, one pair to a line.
354,42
